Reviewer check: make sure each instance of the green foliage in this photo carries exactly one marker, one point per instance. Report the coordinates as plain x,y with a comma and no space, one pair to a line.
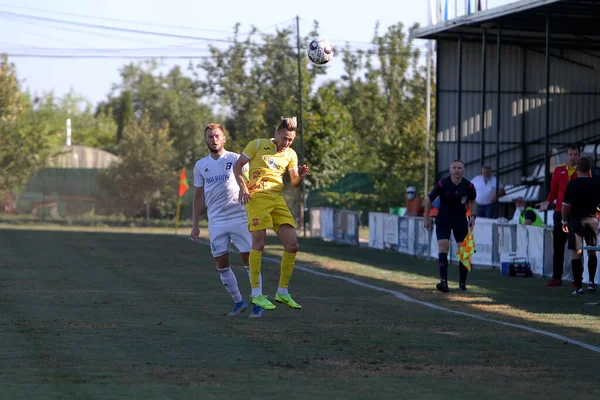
256,80
331,142
174,98
145,181
87,129
387,103
26,141
125,112
372,120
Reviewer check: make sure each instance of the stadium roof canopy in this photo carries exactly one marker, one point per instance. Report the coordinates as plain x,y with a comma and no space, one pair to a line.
573,24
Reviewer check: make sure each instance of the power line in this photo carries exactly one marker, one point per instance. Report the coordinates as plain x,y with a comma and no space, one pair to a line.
103,35
114,50
111,28
117,56
183,27
114,19
104,56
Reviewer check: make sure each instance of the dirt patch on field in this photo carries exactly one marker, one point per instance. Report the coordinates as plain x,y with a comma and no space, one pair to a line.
193,376
65,324
358,366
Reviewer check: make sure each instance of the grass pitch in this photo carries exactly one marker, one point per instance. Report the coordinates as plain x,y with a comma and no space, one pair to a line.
102,315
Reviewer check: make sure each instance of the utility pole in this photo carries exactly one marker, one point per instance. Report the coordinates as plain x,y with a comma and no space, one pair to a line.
300,129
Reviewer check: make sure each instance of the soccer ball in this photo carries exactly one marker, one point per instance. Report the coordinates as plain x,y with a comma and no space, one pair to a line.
320,51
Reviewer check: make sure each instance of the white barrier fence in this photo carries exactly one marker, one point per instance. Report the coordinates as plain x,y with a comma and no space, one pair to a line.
340,226
492,239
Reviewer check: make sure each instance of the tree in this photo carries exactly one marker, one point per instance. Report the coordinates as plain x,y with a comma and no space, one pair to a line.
91,130
174,98
331,143
145,181
125,112
388,107
256,80
26,142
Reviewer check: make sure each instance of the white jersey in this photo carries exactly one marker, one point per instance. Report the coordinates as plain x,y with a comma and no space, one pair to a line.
221,191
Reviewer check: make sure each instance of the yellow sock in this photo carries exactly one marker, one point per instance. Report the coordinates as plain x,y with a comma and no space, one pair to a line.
255,259
287,266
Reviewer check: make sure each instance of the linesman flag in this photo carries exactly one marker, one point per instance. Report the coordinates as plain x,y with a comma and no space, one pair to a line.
183,185
466,250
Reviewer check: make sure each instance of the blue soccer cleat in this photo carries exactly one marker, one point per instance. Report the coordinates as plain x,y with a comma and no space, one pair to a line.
257,312
239,308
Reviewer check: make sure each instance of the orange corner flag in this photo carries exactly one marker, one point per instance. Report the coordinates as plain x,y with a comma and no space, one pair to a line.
183,185
466,250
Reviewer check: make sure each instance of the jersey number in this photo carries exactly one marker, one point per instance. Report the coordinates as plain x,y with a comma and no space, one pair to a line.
228,166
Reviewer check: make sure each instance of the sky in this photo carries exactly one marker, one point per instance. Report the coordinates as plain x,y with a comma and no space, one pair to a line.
212,20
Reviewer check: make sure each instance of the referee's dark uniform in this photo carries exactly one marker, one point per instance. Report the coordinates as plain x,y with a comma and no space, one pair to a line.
452,218
581,200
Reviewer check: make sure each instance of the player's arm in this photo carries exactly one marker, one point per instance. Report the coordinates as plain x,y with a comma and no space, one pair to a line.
553,195
297,173
238,172
471,196
566,205
198,204
435,192
473,210
427,207
238,169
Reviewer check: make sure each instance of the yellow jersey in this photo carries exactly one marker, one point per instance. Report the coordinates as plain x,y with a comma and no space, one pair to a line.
267,166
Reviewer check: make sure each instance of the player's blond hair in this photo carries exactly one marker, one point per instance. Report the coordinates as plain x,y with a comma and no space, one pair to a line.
288,124
213,126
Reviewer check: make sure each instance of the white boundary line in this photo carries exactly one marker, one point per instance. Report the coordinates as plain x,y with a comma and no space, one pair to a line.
404,297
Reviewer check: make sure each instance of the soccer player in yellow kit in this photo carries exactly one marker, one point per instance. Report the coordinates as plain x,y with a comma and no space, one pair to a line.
269,160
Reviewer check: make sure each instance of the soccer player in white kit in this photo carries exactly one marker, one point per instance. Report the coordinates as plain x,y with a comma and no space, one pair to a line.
216,187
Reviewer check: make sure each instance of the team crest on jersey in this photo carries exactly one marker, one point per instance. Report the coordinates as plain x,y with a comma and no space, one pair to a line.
255,174
255,222
463,199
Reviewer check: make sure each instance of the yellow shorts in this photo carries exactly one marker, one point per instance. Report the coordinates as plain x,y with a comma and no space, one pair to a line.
266,211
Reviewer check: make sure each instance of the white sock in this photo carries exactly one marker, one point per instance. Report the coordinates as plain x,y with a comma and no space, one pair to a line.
230,282
255,291
282,290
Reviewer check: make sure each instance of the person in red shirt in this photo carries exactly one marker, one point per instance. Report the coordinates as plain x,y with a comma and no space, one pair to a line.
561,176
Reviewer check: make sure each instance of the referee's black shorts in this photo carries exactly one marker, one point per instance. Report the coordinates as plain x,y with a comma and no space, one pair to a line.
458,226
583,230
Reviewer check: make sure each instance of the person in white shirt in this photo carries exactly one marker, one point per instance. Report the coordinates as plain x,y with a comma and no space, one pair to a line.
217,189
485,185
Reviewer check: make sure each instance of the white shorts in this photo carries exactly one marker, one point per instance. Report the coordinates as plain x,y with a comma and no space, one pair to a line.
222,235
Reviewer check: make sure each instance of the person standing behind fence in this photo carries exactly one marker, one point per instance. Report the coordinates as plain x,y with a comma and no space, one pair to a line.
561,176
485,185
454,192
414,203
579,206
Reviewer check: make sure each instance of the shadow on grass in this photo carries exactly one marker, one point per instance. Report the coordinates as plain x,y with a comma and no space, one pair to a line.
519,300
